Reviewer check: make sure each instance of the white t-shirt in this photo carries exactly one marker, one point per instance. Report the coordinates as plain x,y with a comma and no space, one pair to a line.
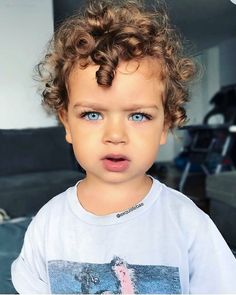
165,244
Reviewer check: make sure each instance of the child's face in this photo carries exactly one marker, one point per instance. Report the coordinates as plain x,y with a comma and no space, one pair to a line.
109,121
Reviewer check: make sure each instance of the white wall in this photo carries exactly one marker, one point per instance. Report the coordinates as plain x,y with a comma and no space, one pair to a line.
227,51
25,28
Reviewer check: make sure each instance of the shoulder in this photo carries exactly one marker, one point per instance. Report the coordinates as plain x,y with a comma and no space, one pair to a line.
184,218
54,209
175,199
180,208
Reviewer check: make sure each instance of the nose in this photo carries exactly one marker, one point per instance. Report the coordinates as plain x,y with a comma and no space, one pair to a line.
115,132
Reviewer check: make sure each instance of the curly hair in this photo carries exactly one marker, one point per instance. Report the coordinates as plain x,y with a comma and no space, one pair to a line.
108,32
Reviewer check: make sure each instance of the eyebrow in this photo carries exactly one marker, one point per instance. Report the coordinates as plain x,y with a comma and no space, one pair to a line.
133,107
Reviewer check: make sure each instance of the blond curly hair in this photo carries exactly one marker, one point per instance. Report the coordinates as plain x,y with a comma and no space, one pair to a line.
108,32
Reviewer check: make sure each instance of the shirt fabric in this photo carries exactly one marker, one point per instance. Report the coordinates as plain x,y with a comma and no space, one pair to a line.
165,244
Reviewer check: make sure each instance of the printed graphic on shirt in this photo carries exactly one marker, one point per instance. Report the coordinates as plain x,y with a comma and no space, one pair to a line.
116,277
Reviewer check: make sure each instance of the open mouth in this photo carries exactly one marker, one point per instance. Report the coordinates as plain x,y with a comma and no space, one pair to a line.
116,160
116,163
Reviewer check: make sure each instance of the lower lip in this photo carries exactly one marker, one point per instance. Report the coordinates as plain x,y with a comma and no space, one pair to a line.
113,166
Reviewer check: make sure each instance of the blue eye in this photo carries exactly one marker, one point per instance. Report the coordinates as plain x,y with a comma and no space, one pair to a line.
90,116
140,117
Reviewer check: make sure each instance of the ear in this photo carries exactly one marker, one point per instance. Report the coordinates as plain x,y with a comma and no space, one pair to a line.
63,116
164,135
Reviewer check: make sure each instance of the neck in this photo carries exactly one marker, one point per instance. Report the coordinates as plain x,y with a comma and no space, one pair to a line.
102,198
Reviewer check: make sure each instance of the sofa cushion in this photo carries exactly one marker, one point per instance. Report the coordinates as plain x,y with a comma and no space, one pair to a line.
221,190
25,194
222,187
224,217
39,149
11,237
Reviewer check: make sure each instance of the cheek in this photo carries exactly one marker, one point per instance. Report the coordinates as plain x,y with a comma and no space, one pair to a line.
79,133
83,154
147,147
150,136
84,144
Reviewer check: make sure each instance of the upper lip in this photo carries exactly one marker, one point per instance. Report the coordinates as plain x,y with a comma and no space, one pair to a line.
116,156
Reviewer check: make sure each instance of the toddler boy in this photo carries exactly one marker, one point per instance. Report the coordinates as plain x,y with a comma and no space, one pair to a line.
117,78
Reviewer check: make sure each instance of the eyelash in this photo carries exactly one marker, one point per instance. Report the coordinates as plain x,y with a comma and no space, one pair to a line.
147,116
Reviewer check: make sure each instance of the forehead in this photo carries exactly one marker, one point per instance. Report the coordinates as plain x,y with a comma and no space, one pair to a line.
134,81
147,68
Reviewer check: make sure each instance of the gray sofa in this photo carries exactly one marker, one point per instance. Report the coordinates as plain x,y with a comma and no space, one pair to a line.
221,190
36,164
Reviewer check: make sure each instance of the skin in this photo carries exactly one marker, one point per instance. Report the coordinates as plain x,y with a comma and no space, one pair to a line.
119,129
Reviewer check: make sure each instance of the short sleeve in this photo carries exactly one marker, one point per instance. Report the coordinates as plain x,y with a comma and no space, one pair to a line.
28,271
211,263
